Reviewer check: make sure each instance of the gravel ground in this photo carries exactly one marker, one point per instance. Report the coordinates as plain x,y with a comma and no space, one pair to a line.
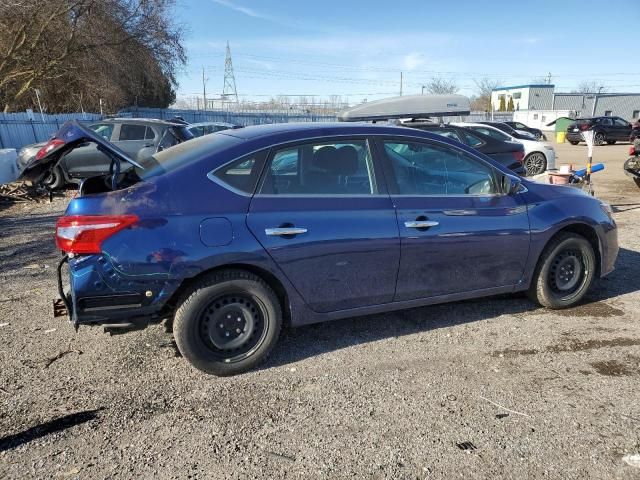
494,388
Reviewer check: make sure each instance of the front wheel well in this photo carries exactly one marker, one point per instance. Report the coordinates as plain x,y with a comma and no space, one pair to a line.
265,275
587,232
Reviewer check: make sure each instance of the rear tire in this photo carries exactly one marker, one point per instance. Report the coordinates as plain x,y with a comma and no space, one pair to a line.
227,323
535,163
564,273
55,179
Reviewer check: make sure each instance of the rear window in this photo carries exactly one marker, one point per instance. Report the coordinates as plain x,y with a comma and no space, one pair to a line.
190,151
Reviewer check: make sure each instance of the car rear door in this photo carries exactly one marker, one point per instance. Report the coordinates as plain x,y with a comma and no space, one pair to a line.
131,138
458,232
322,213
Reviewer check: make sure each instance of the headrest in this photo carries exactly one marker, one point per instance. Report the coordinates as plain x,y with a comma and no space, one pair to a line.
337,161
348,160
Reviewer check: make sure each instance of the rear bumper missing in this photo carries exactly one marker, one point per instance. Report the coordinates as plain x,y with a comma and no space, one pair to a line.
117,312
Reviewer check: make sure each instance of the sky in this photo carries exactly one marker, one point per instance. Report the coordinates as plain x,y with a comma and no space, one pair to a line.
357,49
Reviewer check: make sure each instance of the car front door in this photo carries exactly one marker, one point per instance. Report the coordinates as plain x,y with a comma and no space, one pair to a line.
458,231
323,215
622,129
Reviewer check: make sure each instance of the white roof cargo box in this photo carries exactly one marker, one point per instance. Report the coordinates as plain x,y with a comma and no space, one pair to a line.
408,106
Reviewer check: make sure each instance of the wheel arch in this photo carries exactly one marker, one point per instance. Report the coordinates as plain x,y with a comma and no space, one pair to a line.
269,278
584,230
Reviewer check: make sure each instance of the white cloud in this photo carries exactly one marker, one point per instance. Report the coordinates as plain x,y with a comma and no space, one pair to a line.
239,8
412,60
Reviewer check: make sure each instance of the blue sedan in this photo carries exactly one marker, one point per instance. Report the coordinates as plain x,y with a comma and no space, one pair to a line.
233,235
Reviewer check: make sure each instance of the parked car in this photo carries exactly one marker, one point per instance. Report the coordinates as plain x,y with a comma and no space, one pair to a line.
606,129
517,134
538,156
205,128
138,137
372,219
510,154
536,132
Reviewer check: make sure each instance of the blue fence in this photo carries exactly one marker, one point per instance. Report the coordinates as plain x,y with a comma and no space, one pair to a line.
238,117
20,129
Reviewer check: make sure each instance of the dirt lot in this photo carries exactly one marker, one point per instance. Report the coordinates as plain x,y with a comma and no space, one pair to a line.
483,389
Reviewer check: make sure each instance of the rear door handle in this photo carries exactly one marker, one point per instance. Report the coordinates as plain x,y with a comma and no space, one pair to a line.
421,224
278,232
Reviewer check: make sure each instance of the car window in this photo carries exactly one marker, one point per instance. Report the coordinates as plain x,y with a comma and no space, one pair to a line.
424,169
493,133
447,133
168,140
620,123
606,122
132,132
149,134
521,125
242,174
471,140
321,168
103,129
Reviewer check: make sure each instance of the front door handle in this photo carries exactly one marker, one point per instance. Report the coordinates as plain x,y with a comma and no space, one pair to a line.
421,224
283,231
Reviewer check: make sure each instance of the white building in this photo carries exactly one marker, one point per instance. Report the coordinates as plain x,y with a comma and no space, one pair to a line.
525,97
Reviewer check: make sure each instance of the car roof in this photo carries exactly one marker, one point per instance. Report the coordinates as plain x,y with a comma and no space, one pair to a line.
217,124
321,129
142,121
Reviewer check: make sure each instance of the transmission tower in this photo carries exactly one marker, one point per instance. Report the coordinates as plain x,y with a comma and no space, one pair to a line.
229,92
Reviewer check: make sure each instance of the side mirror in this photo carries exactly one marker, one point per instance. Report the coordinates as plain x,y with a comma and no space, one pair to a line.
510,185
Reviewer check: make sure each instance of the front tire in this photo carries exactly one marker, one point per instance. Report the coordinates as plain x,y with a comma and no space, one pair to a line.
227,323
564,273
599,138
574,143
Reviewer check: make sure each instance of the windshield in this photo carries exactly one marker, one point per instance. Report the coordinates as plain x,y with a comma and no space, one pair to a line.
192,151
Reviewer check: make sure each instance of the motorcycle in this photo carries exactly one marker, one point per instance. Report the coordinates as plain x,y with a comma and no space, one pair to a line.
632,165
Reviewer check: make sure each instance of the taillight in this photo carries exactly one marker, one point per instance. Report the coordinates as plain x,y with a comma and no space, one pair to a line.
50,146
85,233
632,150
519,156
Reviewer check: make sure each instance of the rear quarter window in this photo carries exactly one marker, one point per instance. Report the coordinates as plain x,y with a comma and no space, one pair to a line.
242,174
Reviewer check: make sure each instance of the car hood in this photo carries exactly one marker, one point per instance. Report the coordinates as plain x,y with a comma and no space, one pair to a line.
71,135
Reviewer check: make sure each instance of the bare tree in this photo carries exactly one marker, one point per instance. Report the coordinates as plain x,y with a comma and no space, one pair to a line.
590,86
441,86
115,50
482,97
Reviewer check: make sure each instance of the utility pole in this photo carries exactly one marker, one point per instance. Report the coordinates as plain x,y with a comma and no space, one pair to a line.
400,83
204,91
549,79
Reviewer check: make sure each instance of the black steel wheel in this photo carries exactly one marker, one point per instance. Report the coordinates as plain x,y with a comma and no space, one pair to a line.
535,163
564,272
227,322
233,326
